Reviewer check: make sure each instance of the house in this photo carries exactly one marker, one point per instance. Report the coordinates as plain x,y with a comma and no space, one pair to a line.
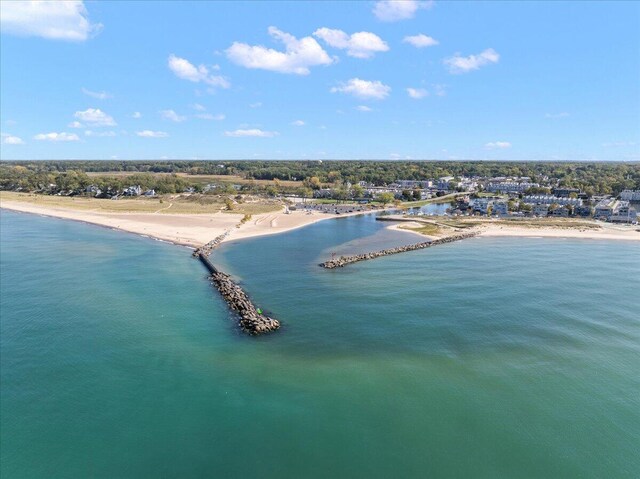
604,209
630,195
551,199
510,186
582,210
499,208
540,210
132,191
481,205
560,211
624,213
566,192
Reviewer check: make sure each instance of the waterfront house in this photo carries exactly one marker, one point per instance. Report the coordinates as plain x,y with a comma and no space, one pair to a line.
630,195
540,210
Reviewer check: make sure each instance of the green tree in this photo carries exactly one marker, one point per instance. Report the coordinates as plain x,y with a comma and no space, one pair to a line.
386,198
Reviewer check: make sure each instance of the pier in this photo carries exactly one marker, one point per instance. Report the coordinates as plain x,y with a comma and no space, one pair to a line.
345,260
251,319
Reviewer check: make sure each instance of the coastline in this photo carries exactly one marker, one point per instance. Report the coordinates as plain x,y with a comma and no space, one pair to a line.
190,230
606,231
194,230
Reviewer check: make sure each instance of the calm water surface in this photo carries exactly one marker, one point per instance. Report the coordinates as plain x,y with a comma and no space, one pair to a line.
484,358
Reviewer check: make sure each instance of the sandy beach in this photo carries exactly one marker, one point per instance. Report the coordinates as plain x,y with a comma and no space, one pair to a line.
194,230
191,230
606,231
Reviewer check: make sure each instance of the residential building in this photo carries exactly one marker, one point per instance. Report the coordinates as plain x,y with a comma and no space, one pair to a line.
605,208
562,191
630,195
540,210
624,213
551,199
499,208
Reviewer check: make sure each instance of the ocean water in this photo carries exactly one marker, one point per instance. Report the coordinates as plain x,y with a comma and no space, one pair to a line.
488,358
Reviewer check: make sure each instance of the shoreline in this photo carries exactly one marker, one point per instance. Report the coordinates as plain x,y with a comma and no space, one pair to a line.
187,230
195,230
606,231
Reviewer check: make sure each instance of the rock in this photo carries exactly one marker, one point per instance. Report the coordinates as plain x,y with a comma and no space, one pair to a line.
344,260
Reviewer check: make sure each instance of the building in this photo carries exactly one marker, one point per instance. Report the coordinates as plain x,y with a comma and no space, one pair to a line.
499,208
510,186
481,205
414,183
540,210
566,192
624,213
560,211
550,200
583,211
132,191
443,183
630,195
605,208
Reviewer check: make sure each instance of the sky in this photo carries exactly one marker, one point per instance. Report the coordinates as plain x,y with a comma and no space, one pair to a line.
320,80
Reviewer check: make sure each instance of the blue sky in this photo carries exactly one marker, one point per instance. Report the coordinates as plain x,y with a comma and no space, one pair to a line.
288,80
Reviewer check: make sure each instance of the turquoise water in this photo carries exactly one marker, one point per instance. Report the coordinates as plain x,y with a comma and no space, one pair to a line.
484,358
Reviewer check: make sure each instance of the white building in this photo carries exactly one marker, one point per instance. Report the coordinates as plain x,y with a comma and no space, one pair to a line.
630,195
623,213
550,199
510,186
605,208
499,208
540,210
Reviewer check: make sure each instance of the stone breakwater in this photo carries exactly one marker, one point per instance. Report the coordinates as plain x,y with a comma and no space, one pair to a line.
345,260
251,319
210,246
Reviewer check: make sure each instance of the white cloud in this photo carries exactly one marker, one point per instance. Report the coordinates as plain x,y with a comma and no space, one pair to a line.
458,64
11,139
60,20
421,41
99,133
556,116
498,145
172,115
395,10
257,104
363,89
417,93
136,115
255,132
75,124
186,70
95,117
100,95
440,90
56,137
209,116
152,134
299,54
364,108
298,123
358,45
198,107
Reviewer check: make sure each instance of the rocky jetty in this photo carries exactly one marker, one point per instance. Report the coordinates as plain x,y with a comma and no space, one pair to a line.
345,260
251,319
210,246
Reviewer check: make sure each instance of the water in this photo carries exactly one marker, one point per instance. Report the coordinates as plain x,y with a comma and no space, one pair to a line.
483,358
